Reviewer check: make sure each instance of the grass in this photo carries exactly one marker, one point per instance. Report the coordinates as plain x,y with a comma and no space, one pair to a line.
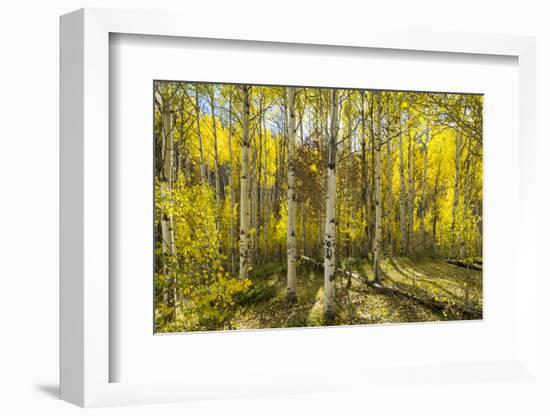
437,279
265,305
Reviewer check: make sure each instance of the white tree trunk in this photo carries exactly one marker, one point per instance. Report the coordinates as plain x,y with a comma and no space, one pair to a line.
267,202
410,200
402,194
216,167
244,247
364,167
231,187
330,217
468,177
377,193
389,191
257,187
167,221
435,207
304,228
216,158
455,237
201,150
291,225
424,203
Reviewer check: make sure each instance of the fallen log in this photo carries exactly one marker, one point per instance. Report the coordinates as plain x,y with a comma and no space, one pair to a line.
312,261
347,273
465,265
430,303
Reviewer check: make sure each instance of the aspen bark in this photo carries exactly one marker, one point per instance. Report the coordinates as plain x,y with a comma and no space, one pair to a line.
410,199
253,201
291,199
364,199
378,194
216,159
454,233
463,250
258,184
424,184
199,134
389,191
320,233
231,187
372,198
217,184
403,244
330,216
435,206
304,228
267,203
276,190
167,221
244,247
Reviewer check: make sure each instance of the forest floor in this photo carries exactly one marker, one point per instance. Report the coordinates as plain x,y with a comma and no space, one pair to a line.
434,279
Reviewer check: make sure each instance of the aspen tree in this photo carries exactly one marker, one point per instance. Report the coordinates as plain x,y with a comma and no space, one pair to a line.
378,192
167,221
217,185
372,198
389,181
454,232
291,199
403,244
244,247
424,203
231,187
467,192
330,216
258,179
410,198
435,216
267,203
199,134
364,179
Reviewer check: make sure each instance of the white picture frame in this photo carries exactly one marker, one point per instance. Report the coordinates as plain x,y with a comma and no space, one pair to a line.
85,355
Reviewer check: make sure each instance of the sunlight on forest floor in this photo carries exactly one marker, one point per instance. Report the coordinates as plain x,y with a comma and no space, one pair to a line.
360,304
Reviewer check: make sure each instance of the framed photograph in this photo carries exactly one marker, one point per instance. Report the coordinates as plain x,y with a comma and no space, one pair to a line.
417,244
286,213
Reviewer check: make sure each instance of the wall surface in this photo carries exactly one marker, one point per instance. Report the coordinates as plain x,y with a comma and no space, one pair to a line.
29,38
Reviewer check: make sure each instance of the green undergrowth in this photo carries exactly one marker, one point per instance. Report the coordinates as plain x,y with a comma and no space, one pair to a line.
265,305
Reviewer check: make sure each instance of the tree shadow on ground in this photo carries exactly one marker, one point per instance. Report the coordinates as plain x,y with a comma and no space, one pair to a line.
277,312
417,276
358,304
